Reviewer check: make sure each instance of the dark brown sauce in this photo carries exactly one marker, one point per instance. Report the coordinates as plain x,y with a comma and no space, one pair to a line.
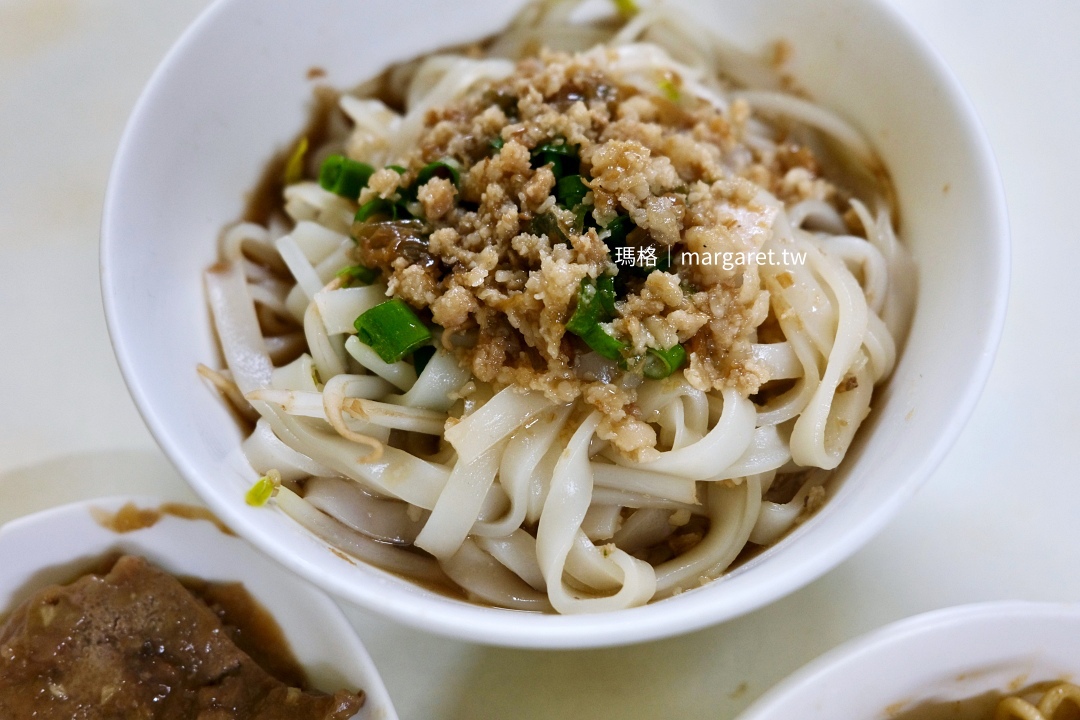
130,517
444,586
265,199
251,627
447,589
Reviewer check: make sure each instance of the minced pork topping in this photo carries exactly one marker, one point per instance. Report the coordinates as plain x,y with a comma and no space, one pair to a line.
504,240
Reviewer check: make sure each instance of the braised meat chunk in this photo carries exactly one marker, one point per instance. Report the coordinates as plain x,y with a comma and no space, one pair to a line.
135,643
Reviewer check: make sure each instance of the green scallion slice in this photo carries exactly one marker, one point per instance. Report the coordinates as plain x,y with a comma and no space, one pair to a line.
357,274
586,315
586,318
439,168
397,168
605,293
570,191
392,330
562,157
381,208
422,356
659,364
343,176
556,146
496,144
604,344
618,229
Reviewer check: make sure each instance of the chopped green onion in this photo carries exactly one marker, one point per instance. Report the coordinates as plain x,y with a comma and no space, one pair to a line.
343,176
422,356
595,303
381,207
661,363
562,157
570,191
618,229
587,313
605,292
357,274
397,168
447,169
263,489
627,8
496,144
439,168
294,166
558,146
604,344
585,322
547,224
392,330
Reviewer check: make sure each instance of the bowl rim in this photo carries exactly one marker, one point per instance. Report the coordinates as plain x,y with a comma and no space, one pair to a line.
482,624
817,672
156,539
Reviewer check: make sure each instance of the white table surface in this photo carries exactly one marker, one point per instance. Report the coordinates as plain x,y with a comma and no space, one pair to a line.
997,520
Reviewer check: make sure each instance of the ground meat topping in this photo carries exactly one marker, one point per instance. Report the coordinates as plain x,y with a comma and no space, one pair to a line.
504,252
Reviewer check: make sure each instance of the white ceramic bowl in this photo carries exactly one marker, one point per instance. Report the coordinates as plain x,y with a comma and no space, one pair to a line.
57,545
941,656
234,89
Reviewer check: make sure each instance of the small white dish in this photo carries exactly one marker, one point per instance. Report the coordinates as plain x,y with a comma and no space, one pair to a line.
55,546
946,655
235,88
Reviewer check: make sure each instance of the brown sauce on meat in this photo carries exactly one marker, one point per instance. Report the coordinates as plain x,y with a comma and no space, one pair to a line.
251,627
133,641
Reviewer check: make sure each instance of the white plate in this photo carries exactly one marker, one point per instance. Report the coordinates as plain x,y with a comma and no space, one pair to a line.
56,545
